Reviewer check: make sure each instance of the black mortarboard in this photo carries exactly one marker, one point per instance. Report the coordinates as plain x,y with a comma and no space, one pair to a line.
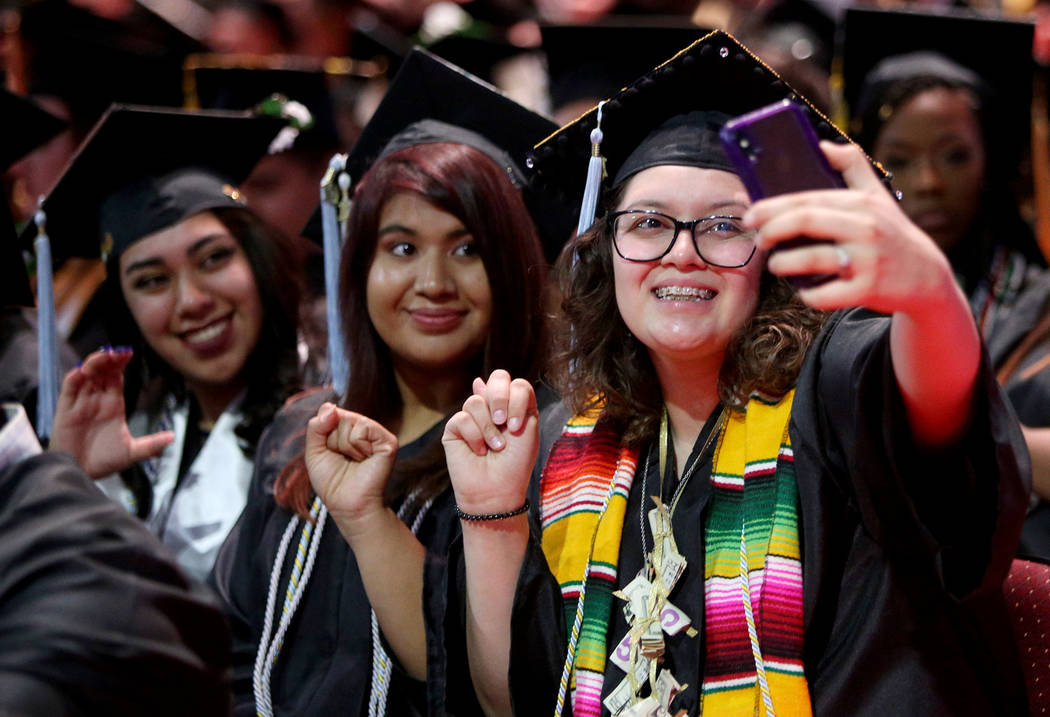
373,38
477,54
596,60
671,115
142,169
803,28
91,62
430,100
997,49
240,82
29,127
27,124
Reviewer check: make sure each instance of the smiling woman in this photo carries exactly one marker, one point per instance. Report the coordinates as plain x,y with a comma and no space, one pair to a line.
442,278
192,290
766,467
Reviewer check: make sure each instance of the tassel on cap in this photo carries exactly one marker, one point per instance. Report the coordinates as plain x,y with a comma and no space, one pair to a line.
595,172
47,338
335,204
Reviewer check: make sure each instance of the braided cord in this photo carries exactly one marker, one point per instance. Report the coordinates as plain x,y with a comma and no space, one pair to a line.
752,630
309,542
382,665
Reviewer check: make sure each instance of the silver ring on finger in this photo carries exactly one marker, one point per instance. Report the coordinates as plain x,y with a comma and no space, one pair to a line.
845,262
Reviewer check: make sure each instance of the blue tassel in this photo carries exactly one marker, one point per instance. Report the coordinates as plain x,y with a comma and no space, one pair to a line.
332,200
595,170
47,337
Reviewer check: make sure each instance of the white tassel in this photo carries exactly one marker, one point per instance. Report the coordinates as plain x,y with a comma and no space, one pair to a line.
331,198
593,186
47,337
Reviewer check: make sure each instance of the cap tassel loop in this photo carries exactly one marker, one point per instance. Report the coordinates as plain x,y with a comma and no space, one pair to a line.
335,207
47,337
595,174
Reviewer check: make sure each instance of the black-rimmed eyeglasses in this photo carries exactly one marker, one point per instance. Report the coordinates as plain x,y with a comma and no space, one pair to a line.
647,235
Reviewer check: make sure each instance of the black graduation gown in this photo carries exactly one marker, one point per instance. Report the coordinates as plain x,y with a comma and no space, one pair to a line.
904,552
95,618
324,666
1029,394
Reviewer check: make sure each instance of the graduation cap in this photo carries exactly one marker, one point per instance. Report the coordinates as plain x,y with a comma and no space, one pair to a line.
91,62
142,169
373,38
30,126
804,28
478,54
671,115
591,62
431,100
242,82
882,48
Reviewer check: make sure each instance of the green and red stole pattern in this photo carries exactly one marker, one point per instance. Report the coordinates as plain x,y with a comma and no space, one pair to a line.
755,497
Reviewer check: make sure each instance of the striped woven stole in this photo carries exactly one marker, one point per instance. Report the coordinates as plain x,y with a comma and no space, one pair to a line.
753,570
587,470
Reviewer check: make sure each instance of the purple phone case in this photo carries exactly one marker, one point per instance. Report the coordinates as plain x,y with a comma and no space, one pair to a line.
776,150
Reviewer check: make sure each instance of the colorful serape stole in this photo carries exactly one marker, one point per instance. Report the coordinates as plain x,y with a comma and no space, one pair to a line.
753,572
584,489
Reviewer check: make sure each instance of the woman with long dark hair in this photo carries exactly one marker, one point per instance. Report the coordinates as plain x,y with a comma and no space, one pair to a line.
202,298
753,501
442,277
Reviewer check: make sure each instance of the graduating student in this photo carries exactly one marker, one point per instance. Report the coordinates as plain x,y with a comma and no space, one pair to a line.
442,277
757,501
202,297
952,128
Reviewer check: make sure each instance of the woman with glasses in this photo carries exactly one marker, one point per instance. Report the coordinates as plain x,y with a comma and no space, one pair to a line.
753,501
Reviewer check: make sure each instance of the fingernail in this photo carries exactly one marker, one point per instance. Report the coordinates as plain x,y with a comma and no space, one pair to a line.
499,416
496,442
514,423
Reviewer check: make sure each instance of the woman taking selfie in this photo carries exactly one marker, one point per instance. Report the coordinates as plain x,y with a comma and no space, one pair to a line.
442,277
202,298
750,504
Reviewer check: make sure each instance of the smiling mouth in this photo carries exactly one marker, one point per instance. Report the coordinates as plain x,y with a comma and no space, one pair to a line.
684,293
208,333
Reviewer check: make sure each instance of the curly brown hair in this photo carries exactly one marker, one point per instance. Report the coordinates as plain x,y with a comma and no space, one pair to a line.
600,363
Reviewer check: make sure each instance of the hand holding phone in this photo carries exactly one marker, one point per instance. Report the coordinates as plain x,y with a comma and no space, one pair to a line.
776,151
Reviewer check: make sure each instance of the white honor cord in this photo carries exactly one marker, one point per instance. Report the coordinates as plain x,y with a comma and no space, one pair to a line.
382,665
752,631
265,659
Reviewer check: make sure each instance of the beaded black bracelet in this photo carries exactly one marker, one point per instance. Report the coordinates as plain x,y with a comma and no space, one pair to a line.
492,516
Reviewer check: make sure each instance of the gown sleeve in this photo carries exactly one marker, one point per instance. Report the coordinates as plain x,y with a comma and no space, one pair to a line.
962,505
95,618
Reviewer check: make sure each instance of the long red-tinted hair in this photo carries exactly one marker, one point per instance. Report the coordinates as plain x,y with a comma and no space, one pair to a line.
467,184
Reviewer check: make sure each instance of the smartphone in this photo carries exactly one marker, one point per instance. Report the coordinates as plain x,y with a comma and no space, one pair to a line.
775,151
